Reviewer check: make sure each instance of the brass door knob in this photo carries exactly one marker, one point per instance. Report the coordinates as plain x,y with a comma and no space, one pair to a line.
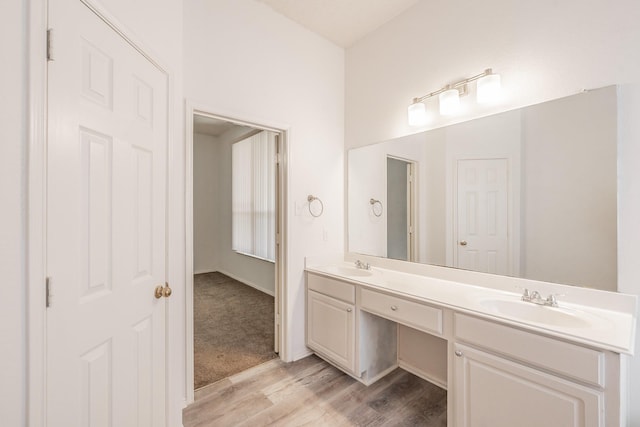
162,291
167,291
463,243
159,292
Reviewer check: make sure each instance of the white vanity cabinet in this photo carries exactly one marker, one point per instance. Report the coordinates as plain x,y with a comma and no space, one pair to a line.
508,377
331,320
498,373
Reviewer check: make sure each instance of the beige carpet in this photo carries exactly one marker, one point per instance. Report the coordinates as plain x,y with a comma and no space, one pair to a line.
233,327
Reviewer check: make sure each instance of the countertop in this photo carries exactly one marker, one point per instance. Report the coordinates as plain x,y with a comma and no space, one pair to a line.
611,319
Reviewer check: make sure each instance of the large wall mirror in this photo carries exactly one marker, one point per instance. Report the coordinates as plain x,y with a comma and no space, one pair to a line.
528,193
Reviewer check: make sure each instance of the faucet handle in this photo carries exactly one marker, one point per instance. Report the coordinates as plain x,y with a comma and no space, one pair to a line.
526,295
552,301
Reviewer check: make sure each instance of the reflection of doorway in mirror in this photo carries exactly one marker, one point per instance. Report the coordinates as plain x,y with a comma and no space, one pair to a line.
482,216
401,207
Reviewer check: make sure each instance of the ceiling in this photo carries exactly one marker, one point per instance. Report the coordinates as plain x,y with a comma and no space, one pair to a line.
214,127
341,21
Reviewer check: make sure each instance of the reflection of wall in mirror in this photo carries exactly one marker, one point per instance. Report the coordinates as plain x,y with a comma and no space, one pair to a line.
569,212
367,178
493,137
562,158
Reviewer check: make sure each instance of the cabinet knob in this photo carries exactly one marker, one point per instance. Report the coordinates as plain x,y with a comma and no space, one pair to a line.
394,307
349,310
458,353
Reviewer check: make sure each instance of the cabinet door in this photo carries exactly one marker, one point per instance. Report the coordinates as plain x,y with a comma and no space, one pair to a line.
331,329
495,392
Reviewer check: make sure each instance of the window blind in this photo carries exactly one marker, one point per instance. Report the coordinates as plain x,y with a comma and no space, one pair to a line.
254,196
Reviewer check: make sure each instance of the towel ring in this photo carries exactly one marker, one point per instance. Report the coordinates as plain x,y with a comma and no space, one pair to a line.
374,202
312,199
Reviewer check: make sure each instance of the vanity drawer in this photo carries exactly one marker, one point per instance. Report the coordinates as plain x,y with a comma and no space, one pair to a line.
413,314
570,360
330,287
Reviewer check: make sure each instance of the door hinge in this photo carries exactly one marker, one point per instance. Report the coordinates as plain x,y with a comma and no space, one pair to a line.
48,294
50,45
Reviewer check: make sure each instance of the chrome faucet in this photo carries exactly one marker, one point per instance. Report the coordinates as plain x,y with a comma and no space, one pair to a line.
362,265
535,298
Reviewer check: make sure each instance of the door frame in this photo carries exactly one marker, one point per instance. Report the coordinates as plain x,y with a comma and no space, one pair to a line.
281,338
36,220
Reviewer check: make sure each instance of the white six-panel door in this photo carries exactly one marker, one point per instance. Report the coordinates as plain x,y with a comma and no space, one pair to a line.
482,216
106,208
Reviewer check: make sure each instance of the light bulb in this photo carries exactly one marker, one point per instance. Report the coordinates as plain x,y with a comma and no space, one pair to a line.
417,114
489,89
449,102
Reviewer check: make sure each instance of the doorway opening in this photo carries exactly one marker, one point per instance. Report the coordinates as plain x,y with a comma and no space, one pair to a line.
234,246
401,209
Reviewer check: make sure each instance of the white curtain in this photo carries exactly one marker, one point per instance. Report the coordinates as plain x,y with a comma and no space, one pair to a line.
253,182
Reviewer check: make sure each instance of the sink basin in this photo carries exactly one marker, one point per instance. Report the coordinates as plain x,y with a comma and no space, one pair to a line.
528,312
349,271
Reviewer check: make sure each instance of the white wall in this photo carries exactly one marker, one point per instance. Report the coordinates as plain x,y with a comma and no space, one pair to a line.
212,215
12,215
628,224
242,59
544,50
206,187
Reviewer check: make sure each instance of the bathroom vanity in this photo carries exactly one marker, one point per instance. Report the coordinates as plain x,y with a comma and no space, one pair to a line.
504,361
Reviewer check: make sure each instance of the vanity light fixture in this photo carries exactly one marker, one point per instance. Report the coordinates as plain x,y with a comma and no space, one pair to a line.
449,101
488,89
417,113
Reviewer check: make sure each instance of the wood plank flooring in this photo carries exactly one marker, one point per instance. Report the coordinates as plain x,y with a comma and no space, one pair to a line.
310,392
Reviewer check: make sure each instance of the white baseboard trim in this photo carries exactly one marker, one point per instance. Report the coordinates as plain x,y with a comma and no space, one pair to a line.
208,270
240,279
300,356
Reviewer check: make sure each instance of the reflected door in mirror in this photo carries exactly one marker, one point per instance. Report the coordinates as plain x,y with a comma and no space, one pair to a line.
481,216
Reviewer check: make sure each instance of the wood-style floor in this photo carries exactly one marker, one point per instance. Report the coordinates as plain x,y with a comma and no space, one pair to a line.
310,392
